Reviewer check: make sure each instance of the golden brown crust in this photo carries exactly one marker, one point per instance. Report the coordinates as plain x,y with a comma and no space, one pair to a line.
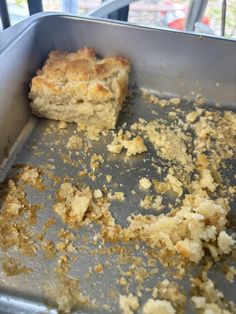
78,82
82,65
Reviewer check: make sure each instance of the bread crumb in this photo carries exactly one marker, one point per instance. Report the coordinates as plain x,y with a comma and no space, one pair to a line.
99,268
11,267
118,196
225,242
145,183
73,203
158,306
193,115
123,281
32,177
147,202
128,304
175,184
134,146
115,147
231,273
190,249
174,101
123,140
108,178
97,193
62,125
157,203
207,181
95,161
199,302
74,142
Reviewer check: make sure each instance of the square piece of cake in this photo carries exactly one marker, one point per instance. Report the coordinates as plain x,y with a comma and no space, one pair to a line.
79,87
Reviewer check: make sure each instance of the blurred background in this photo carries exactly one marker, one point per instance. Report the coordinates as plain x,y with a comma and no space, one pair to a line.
161,13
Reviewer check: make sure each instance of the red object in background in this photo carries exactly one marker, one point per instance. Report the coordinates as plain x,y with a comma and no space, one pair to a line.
174,15
177,24
180,23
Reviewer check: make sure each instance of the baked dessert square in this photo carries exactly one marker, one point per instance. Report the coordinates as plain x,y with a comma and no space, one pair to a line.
79,87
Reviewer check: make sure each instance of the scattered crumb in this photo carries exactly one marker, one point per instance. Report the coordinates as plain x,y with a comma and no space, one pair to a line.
134,146
123,139
147,202
108,178
74,142
145,183
123,281
95,161
231,273
128,304
32,177
225,242
174,101
62,125
72,203
193,115
118,196
97,193
66,292
11,267
158,306
99,268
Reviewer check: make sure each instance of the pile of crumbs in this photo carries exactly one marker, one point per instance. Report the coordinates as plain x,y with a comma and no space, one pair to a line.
193,148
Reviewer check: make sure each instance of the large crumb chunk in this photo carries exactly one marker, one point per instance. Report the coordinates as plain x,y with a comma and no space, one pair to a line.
128,304
158,306
73,203
123,139
79,87
135,146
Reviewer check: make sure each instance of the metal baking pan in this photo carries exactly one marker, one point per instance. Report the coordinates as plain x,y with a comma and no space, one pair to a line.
162,61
